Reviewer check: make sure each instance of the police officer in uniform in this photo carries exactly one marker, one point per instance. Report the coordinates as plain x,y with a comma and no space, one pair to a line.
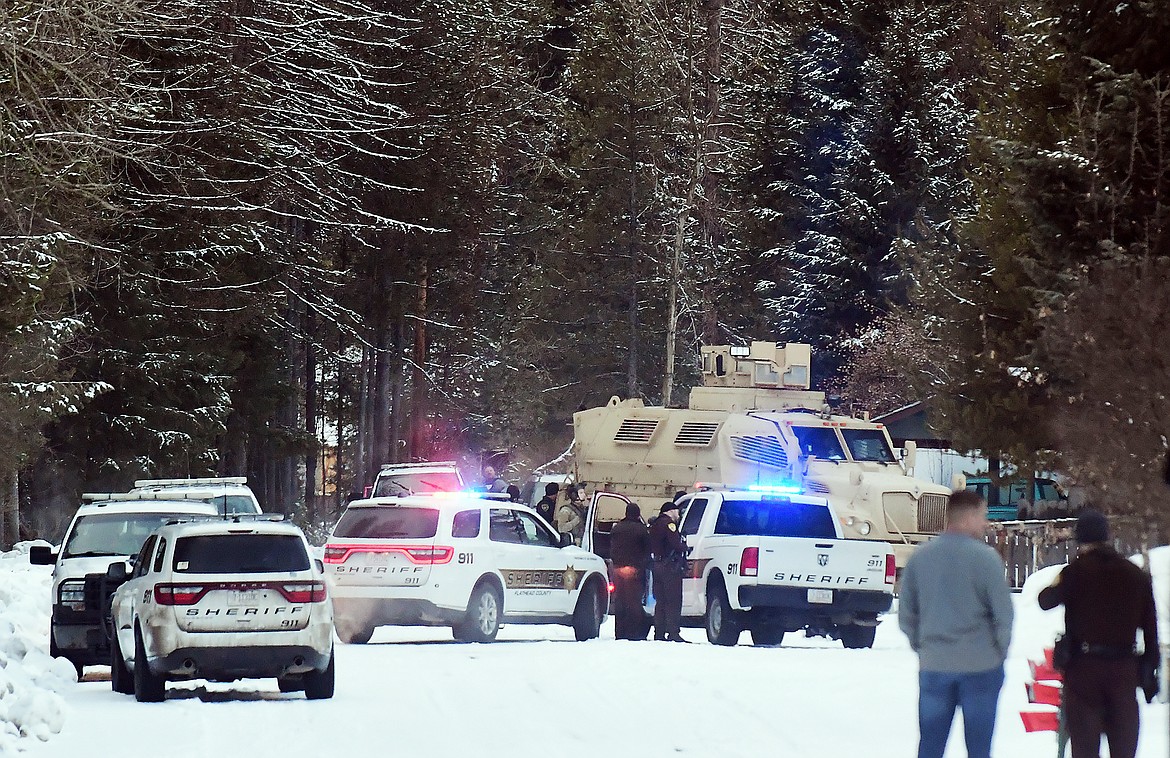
630,552
1106,600
669,562
547,507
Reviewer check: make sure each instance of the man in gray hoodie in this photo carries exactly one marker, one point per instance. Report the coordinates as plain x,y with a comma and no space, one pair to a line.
956,608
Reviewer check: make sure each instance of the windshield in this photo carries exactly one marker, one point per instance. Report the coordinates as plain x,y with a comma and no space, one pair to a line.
819,442
868,445
114,533
240,554
774,517
234,504
424,482
388,523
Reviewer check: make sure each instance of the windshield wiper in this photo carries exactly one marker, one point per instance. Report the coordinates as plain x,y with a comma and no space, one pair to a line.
432,485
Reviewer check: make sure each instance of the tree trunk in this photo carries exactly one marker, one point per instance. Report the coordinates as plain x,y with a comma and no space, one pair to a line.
9,510
365,405
381,408
311,457
632,389
419,448
397,378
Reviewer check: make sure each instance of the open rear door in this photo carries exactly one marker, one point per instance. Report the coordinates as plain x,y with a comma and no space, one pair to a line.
605,510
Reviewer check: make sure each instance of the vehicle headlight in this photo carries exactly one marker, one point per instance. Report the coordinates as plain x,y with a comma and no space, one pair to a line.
71,594
864,528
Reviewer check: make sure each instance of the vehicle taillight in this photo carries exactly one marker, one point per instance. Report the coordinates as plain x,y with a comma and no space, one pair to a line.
178,594
609,587
430,554
335,554
891,569
749,562
303,592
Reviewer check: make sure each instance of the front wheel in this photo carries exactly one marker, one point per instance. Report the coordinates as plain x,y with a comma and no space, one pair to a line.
354,635
319,684
722,628
857,636
767,635
587,614
482,623
148,686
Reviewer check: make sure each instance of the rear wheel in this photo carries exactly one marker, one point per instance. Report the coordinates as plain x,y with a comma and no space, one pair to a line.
148,686
722,627
856,636
587,615
318,685
121,680
768,635
483,615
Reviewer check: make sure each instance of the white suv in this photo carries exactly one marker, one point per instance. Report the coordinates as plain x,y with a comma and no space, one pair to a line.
230,493
110,527
398,479
464,561
222,600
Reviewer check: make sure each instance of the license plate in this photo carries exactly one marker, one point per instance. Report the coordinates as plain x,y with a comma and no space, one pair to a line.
820,596
243,597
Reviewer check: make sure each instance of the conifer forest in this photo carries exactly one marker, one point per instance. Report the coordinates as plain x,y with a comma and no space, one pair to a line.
298,239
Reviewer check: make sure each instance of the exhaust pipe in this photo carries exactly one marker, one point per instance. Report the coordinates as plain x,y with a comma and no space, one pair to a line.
188,665
299,661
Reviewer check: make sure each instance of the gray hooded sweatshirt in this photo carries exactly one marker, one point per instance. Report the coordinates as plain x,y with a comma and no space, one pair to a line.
955,605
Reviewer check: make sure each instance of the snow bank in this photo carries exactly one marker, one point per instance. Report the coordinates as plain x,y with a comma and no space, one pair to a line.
31,683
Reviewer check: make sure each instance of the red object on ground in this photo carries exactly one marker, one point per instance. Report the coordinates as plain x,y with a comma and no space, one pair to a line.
1041,671
1040,721
1048,657
1042,692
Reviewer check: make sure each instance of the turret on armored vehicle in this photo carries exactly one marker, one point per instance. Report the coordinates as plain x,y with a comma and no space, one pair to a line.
754,423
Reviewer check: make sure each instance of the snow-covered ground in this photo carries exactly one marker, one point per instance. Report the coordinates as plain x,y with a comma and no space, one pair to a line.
413,691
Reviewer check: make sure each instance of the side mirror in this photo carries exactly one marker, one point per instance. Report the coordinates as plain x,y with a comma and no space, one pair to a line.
909,455
116,572
566,540
41,555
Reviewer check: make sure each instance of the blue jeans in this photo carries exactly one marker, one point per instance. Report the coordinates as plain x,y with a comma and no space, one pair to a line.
940,692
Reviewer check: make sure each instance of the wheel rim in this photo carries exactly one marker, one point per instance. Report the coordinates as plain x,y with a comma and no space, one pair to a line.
716,616
487,613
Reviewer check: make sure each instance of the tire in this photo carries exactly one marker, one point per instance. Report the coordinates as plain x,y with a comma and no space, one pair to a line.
121,680
359,636
767,635
148,686
482,623
587,614
856,636
55,652
290,683
722,626
319,684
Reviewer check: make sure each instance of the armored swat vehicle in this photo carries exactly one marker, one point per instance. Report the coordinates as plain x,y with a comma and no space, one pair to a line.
754,423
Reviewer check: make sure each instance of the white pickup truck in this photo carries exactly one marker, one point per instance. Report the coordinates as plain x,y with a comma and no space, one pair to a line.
770,562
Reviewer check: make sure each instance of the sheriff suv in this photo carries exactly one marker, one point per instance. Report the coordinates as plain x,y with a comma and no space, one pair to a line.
222,600
108,526
462,560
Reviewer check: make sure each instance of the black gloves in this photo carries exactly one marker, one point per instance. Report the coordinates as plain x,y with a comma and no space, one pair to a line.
1149,675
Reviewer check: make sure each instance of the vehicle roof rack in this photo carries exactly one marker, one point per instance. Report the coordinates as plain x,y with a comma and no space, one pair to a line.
123,497
142,483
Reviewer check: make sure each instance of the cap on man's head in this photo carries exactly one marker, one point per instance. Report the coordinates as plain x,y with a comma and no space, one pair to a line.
1092,526
669,505
552,488
633,511
680,493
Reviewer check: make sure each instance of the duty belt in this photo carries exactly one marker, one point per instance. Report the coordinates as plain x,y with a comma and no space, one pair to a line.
1112,652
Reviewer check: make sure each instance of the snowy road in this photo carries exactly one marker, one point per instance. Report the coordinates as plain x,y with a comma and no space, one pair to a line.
413,691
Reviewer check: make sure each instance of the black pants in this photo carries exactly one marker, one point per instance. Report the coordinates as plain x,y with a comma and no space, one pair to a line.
1100,697
629,618
667,600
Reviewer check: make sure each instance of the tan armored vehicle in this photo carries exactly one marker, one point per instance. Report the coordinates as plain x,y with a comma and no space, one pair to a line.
754,423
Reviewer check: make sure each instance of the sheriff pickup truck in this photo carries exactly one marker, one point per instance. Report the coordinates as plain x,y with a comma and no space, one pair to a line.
772,562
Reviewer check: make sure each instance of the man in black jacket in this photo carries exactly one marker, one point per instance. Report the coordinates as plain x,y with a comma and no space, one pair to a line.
547,506
670,560
1106,600
629,549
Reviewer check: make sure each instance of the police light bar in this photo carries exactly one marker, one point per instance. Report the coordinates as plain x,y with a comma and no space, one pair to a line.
202,481
120,497
776,489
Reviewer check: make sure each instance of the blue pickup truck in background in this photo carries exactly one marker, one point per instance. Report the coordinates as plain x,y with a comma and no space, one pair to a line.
1012,492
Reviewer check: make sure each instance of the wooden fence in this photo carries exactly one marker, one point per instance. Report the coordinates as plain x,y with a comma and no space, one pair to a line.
1026,546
